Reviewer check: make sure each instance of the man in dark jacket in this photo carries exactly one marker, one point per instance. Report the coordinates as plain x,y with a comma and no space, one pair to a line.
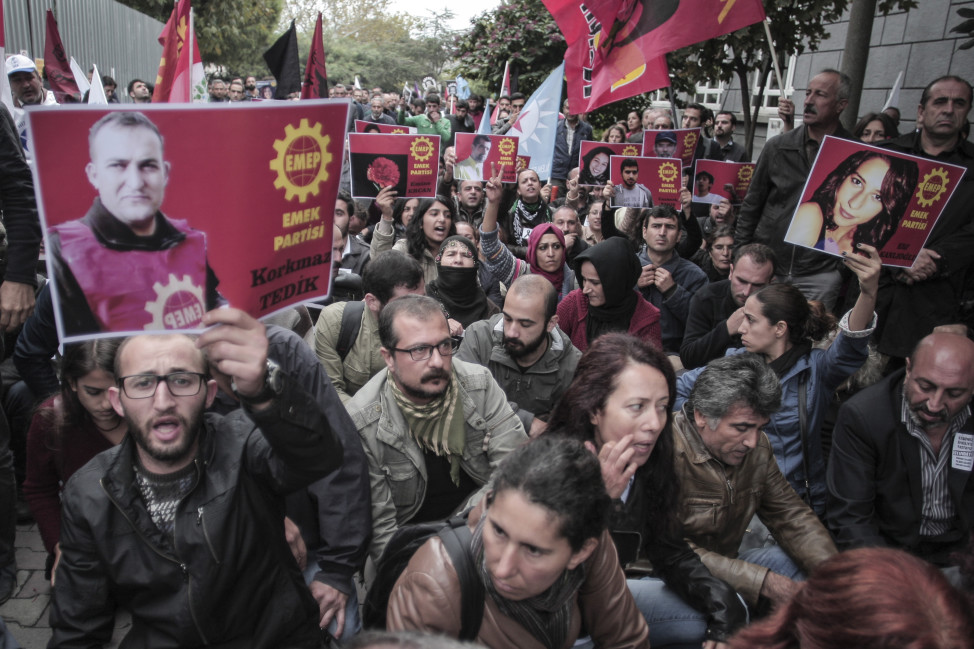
568,143
181,524
776,188
902,452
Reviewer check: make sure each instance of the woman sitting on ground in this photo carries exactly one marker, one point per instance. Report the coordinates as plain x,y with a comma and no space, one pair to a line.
715,257
433,221
457,286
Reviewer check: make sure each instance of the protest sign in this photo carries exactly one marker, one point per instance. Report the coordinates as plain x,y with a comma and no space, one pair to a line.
181,214
408,163
593,160
714,176
362,126
858,193
679,143
477,154
645,182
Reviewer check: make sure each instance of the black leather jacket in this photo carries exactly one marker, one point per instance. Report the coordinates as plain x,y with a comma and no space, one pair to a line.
672,560
229,578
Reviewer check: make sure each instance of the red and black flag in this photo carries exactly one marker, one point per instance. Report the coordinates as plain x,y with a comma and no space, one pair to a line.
56,65
315,76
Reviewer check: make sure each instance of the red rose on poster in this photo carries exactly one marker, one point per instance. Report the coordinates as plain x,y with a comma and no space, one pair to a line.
383,172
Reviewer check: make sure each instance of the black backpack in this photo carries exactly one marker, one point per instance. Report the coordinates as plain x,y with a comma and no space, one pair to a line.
456,539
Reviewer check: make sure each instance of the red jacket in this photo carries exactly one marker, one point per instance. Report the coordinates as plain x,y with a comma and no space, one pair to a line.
573,314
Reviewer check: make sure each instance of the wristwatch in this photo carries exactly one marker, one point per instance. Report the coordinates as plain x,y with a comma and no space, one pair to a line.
273,386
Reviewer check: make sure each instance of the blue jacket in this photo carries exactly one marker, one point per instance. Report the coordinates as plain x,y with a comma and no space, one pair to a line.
675,307
564,159
828,369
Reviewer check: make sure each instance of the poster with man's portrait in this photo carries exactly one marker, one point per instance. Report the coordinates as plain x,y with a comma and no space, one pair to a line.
674,143
714,179
857,193
409,164
477,154
645,182
153,216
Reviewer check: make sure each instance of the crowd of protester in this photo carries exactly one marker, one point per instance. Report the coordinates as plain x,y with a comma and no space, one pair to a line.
626,427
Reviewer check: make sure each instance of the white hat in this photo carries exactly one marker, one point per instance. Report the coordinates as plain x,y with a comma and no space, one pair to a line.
20,63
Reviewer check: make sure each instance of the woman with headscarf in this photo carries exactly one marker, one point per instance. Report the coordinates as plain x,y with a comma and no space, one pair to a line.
456,286
608,300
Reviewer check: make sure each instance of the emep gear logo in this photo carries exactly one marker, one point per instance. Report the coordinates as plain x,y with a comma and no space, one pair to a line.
302,161
421,149
178,304
630,150
507,146
690,140
668,172
744,174
933,187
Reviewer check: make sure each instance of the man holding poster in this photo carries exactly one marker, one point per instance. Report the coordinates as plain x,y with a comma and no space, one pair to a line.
125,246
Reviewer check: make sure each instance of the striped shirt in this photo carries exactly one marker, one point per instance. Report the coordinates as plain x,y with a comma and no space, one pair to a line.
938,513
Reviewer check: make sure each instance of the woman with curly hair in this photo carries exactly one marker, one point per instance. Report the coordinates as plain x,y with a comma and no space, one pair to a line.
615,134
860,201
433,220
619,405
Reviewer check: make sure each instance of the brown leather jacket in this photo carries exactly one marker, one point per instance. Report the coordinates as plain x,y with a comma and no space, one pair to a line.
718,502
427,598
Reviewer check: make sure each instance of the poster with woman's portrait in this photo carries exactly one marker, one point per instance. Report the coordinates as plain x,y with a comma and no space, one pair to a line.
858,193
407,163
593,160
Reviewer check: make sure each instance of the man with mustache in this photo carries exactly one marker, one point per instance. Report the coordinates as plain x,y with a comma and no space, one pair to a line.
433,428
900,470
776,188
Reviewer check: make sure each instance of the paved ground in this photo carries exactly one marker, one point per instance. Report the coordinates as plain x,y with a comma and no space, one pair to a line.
26,613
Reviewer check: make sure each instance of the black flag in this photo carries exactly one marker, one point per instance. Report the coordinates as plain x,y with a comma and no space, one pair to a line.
282,59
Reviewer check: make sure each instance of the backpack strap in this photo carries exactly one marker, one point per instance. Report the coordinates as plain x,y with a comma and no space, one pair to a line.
456,537
351,322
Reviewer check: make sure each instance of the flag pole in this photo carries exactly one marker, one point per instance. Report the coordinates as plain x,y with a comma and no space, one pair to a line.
774,55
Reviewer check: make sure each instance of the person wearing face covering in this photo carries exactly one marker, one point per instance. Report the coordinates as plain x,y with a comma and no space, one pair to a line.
456,287
608,300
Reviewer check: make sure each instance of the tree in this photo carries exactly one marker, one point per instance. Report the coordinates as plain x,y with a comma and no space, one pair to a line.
231,33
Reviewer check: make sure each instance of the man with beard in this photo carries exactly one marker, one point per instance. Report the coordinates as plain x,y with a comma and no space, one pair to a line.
250,86
724,147
433,428
181,524
664,146
631,193
530,357
899,474
472,168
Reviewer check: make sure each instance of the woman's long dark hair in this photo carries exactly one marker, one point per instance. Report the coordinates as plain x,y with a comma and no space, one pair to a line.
897,188
596,377
807,321
585,176
415,237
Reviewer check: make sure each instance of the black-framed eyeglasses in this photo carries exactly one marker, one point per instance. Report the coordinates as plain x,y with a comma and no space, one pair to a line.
425,352
143,386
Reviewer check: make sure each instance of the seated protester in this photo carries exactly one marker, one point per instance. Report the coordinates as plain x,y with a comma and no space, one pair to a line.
566,220
727,473
67,430
578,197
542,551
619,405
433,221
529,209
528,355
545,254
721,213
593,224
469,200
626,223
868,599
897,475
717,310
433,428
490,283
391,275
667,281
457,286
780,325
608,300
714,259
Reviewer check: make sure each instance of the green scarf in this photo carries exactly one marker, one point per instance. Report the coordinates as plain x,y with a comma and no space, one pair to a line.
439,425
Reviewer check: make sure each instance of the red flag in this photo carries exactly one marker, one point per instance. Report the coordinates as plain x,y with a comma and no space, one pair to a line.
56,65
315,83
175,81
617,49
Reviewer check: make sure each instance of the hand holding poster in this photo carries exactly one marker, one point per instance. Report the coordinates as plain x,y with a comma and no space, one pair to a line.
159,242
857,193
680,143
728,180
644,182
477,154
362,126
408,163
593,160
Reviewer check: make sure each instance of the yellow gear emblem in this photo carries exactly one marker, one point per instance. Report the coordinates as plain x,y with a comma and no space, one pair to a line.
630,150
933,187
668,172
507,146
421,149
302,161
744,174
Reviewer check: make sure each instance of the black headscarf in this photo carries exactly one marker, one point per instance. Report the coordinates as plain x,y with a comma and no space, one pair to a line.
619,269
458,289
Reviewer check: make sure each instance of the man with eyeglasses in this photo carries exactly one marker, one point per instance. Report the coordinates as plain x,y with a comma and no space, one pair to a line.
181,524
433,428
